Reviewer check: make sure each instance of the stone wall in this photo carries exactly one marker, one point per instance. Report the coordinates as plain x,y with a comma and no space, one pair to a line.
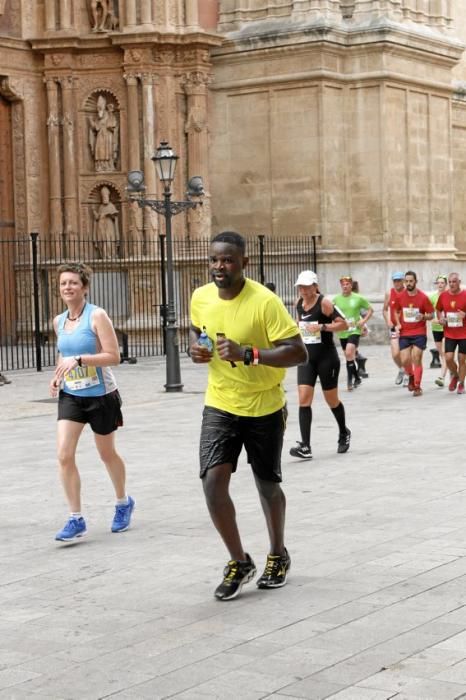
339,119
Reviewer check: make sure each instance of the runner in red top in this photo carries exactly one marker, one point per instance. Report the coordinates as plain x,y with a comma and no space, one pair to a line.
451,313
398,279
412,309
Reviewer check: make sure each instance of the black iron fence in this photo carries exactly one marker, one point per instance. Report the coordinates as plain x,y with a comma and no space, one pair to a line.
130,284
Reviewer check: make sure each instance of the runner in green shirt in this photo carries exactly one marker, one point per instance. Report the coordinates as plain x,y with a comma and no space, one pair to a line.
350,305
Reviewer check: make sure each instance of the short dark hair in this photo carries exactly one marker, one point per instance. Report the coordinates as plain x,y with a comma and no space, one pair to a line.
271,286
232,238
84,271
413,274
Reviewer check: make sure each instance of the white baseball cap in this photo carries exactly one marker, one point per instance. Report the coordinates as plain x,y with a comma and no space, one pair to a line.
306,278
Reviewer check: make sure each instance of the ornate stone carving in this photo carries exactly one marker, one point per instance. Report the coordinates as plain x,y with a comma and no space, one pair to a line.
164,56
135,227
134,55
196,120
11,89
196,82
103,15
105,229
96,60
17,118
104,136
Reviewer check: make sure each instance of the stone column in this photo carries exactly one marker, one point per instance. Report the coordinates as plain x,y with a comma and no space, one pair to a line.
133,121
134,212
56,219
65,14
162,9
148,122
131,14
69,160
192,13
146,12
195,85
50,16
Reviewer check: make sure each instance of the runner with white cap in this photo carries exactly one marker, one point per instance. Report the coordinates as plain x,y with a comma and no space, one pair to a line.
317,319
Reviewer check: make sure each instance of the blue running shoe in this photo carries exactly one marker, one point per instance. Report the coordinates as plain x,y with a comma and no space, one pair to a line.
75,527
122,516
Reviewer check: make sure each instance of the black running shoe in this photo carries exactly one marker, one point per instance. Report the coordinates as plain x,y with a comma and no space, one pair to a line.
302,451
235,574
344,441
357,382
275,572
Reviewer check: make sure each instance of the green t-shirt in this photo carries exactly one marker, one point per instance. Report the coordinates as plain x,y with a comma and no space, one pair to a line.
433,296
351,307
254,317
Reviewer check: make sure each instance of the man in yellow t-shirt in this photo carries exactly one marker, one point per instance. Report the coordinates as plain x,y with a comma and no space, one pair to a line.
248,338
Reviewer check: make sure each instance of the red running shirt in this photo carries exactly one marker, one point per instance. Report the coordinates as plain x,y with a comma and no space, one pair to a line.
410,305
392,299
450,304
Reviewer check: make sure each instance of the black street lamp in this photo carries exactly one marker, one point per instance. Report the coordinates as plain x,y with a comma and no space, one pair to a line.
165,163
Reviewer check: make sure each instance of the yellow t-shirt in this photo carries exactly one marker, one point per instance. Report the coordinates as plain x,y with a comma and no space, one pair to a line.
257,317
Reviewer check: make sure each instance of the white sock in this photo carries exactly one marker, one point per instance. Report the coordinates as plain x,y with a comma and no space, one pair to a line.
76,515
122,501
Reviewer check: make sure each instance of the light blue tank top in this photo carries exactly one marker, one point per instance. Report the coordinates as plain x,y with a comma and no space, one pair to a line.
86,380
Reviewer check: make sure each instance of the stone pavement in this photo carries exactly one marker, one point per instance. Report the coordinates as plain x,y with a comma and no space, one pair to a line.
375,607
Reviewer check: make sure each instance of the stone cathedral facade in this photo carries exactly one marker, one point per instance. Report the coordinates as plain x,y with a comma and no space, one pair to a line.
345,119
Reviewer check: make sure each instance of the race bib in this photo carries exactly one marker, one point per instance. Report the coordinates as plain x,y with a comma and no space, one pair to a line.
309,333
453,320
410,314
352,324
81,378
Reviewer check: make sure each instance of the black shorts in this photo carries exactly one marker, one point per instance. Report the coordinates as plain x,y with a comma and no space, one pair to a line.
224,434
452,343
324,364
407,341
437,336
353,339
103,413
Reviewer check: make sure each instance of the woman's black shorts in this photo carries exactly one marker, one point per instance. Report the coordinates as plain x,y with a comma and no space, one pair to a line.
325,365
103,413
223,435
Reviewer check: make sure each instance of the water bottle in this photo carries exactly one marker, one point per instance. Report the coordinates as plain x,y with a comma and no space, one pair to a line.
205,341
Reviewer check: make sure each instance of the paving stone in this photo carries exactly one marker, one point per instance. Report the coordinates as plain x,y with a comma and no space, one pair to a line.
377,538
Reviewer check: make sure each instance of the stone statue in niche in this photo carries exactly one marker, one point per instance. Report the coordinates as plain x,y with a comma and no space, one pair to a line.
103,17
106,235
135,228
103,136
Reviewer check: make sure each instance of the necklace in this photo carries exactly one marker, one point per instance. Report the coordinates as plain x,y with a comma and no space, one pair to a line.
78,316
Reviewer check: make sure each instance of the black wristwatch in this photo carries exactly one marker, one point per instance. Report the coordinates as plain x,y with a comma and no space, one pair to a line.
79,360
248,356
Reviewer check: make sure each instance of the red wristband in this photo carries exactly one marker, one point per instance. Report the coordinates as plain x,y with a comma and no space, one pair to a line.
255,354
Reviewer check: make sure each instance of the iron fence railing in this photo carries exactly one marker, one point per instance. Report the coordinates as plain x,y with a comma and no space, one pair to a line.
130,283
